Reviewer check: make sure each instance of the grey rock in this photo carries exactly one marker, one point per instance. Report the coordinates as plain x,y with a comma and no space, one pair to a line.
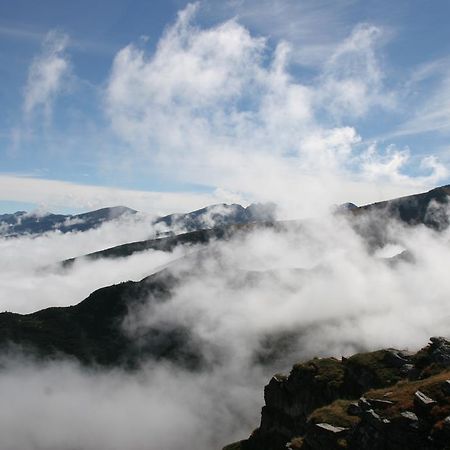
447,422
354,409
397,358
377,403
324,435
446,387
410,419
375,419
440,350
438,340
423,402
364,404
328,428
409,416
406,369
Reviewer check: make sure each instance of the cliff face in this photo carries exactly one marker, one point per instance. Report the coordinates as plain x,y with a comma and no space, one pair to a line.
383,400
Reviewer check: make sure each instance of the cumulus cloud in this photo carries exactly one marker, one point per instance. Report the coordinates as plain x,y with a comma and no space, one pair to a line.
46,74
220,107
390,165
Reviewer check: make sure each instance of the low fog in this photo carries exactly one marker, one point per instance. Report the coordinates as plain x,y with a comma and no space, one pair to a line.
254,305
31,277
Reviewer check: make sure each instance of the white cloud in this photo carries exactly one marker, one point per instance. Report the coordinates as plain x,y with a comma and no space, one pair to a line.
353,78
46,74
390,167
433,115
20,33
313,27
29,282
428,91
49,194
217,106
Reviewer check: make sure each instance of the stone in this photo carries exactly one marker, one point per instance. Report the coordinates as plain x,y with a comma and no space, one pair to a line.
377,403
422,402
354,409
324,435
274,392
406,369
396,358
441,435
440,351
446,387
328,428
409,416
447,423
364,404
375,419
410,419
438,340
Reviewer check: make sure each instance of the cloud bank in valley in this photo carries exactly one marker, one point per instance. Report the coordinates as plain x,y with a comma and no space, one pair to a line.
254,306
31,278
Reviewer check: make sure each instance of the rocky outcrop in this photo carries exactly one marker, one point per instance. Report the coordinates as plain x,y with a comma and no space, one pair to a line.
383,400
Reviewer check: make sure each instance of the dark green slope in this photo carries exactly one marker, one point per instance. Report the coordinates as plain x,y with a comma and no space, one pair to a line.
415,209
92,331
167,244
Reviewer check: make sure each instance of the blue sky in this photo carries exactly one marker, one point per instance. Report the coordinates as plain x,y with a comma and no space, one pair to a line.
170,105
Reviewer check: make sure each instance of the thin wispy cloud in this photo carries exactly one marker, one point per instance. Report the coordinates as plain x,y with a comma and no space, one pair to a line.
21,33
37,36
428,88
432,116
312,27
46,74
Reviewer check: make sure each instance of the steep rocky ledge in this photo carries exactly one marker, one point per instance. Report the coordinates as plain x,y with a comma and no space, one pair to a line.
383,400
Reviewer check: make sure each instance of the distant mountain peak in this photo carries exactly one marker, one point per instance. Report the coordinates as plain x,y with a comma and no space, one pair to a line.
37,222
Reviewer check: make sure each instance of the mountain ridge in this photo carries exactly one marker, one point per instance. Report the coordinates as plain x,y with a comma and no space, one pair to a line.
24,223
411,209
34,223
23,329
